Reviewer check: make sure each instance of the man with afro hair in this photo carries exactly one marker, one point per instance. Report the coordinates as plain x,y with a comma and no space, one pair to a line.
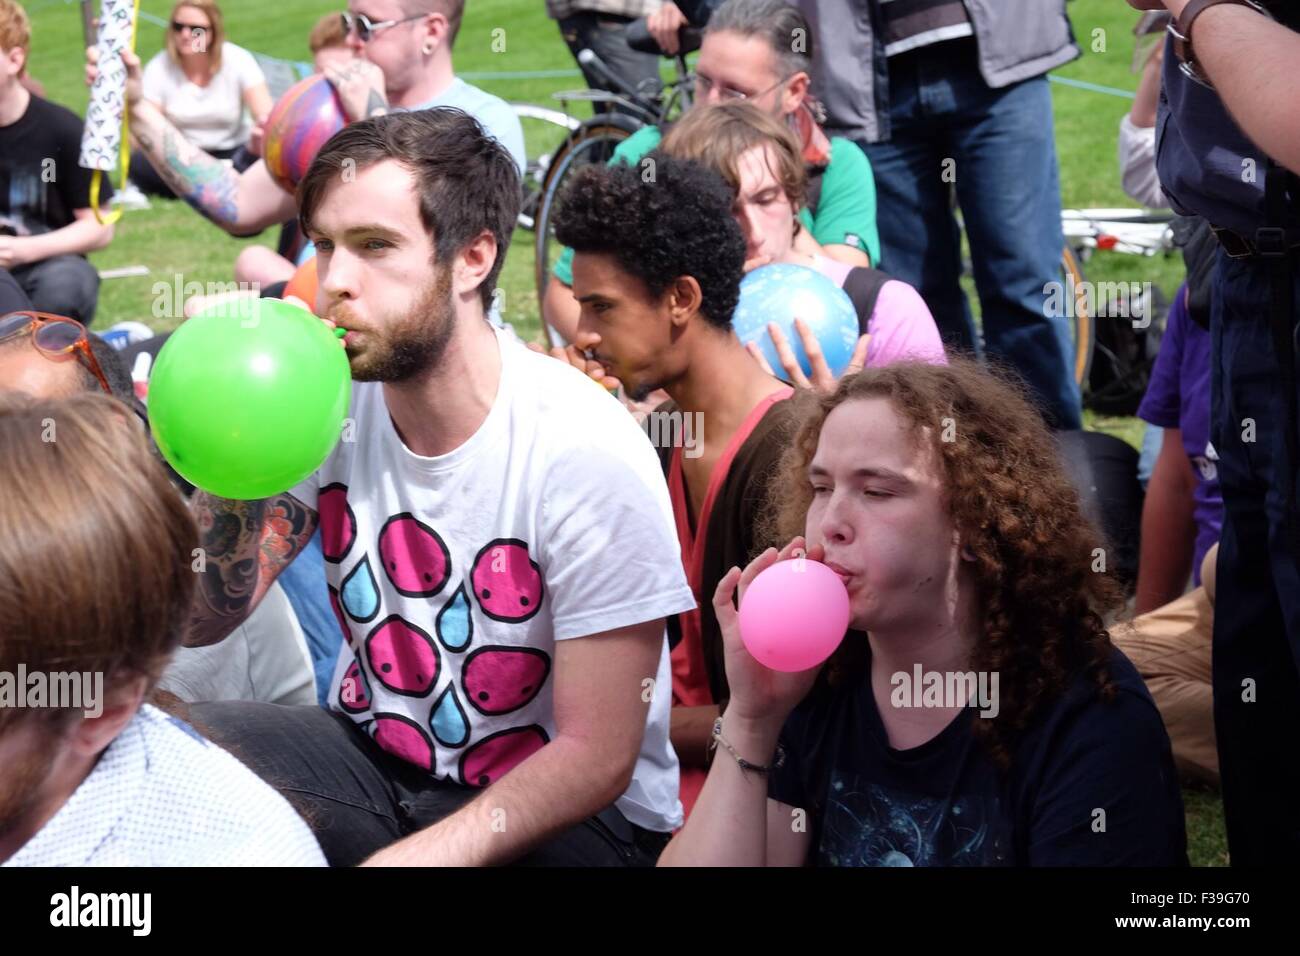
658,259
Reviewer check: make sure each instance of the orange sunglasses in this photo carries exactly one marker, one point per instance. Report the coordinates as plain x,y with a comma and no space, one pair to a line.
54,336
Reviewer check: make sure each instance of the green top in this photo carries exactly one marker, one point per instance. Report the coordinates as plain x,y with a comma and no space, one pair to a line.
846,208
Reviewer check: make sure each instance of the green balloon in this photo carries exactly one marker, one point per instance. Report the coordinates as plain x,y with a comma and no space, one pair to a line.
247,403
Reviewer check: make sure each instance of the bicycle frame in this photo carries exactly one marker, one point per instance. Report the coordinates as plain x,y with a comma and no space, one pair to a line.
676,94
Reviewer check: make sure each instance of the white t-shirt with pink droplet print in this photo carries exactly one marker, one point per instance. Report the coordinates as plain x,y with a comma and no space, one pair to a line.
453,577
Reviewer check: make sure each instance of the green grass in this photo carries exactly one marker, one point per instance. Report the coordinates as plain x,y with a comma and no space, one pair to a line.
171,240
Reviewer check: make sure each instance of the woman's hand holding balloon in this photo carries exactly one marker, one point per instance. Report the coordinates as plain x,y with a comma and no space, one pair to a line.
760,696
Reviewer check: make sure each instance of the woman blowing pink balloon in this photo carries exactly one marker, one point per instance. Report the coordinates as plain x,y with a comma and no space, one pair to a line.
976,713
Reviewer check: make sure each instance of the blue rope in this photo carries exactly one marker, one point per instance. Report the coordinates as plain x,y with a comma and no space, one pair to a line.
1094,87
520,75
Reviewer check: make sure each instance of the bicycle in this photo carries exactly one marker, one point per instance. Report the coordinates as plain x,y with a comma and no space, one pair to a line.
1121,382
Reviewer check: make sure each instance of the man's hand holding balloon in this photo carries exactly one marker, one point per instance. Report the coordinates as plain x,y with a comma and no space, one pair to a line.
822,378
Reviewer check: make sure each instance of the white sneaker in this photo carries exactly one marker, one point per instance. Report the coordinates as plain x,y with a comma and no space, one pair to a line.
130,197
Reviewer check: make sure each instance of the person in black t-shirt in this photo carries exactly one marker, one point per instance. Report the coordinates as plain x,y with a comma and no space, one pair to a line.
976,713
46,223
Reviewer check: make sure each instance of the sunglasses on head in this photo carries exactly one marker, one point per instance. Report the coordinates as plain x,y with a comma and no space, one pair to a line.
54,336
367,28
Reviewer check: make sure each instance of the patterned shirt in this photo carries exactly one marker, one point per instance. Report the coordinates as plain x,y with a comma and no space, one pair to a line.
161,795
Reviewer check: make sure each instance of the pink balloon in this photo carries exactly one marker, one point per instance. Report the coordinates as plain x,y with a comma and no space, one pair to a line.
794,615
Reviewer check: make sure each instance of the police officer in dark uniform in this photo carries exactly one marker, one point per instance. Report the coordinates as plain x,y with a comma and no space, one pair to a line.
1228,148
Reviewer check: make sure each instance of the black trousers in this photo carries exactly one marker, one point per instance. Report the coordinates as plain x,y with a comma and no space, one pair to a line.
358,798
1256,651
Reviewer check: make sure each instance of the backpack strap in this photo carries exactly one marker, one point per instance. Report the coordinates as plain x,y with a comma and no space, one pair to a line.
863,285
813,191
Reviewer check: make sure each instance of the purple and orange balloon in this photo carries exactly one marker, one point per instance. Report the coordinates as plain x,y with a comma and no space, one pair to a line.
301,121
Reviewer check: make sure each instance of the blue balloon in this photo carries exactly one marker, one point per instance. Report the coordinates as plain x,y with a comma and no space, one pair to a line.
781,293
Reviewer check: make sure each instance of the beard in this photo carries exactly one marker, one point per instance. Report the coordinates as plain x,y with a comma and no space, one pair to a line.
406,347
642,391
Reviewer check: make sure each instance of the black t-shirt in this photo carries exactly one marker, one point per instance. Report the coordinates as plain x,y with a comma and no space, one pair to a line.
40,181
1091,783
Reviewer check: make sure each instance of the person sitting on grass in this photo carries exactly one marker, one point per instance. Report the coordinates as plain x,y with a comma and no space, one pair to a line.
760,51
498,543
759,158
937,496
213,91
47,223
1182,519
656,271
403,62
95,552
258,266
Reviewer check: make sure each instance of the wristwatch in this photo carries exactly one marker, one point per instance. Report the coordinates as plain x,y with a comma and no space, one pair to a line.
1181,30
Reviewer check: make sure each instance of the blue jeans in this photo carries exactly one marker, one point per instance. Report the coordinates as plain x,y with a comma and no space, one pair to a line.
998,149
304,584
1256,651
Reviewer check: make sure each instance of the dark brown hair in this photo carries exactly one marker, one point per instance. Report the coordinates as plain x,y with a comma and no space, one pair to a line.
466,181
96,546
1041,605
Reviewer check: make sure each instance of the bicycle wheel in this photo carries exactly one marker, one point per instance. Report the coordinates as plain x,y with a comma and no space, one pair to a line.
1083,327
593,142
542,127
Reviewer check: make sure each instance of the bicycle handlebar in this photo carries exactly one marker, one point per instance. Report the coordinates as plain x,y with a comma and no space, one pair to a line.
640,39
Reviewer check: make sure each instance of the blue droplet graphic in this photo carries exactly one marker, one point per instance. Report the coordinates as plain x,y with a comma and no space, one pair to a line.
454,626
450,728
359,593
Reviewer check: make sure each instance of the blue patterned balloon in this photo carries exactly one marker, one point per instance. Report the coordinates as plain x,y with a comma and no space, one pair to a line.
782,292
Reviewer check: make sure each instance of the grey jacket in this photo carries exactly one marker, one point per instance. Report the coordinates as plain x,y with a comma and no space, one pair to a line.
1017,39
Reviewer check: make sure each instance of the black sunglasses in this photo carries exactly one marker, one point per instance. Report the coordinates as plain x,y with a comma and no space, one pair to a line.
367,28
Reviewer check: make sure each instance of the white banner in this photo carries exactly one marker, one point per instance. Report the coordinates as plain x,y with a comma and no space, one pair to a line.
101,141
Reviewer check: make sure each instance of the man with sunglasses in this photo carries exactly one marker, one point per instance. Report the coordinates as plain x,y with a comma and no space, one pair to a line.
403,62
46,222
51,356
749,52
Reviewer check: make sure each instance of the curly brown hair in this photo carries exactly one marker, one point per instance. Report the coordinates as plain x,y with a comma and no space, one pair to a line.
1040,603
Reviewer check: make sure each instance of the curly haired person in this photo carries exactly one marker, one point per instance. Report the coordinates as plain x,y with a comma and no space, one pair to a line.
937,496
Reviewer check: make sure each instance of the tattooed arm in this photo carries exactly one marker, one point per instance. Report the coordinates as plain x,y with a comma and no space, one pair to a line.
245,545
240,203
